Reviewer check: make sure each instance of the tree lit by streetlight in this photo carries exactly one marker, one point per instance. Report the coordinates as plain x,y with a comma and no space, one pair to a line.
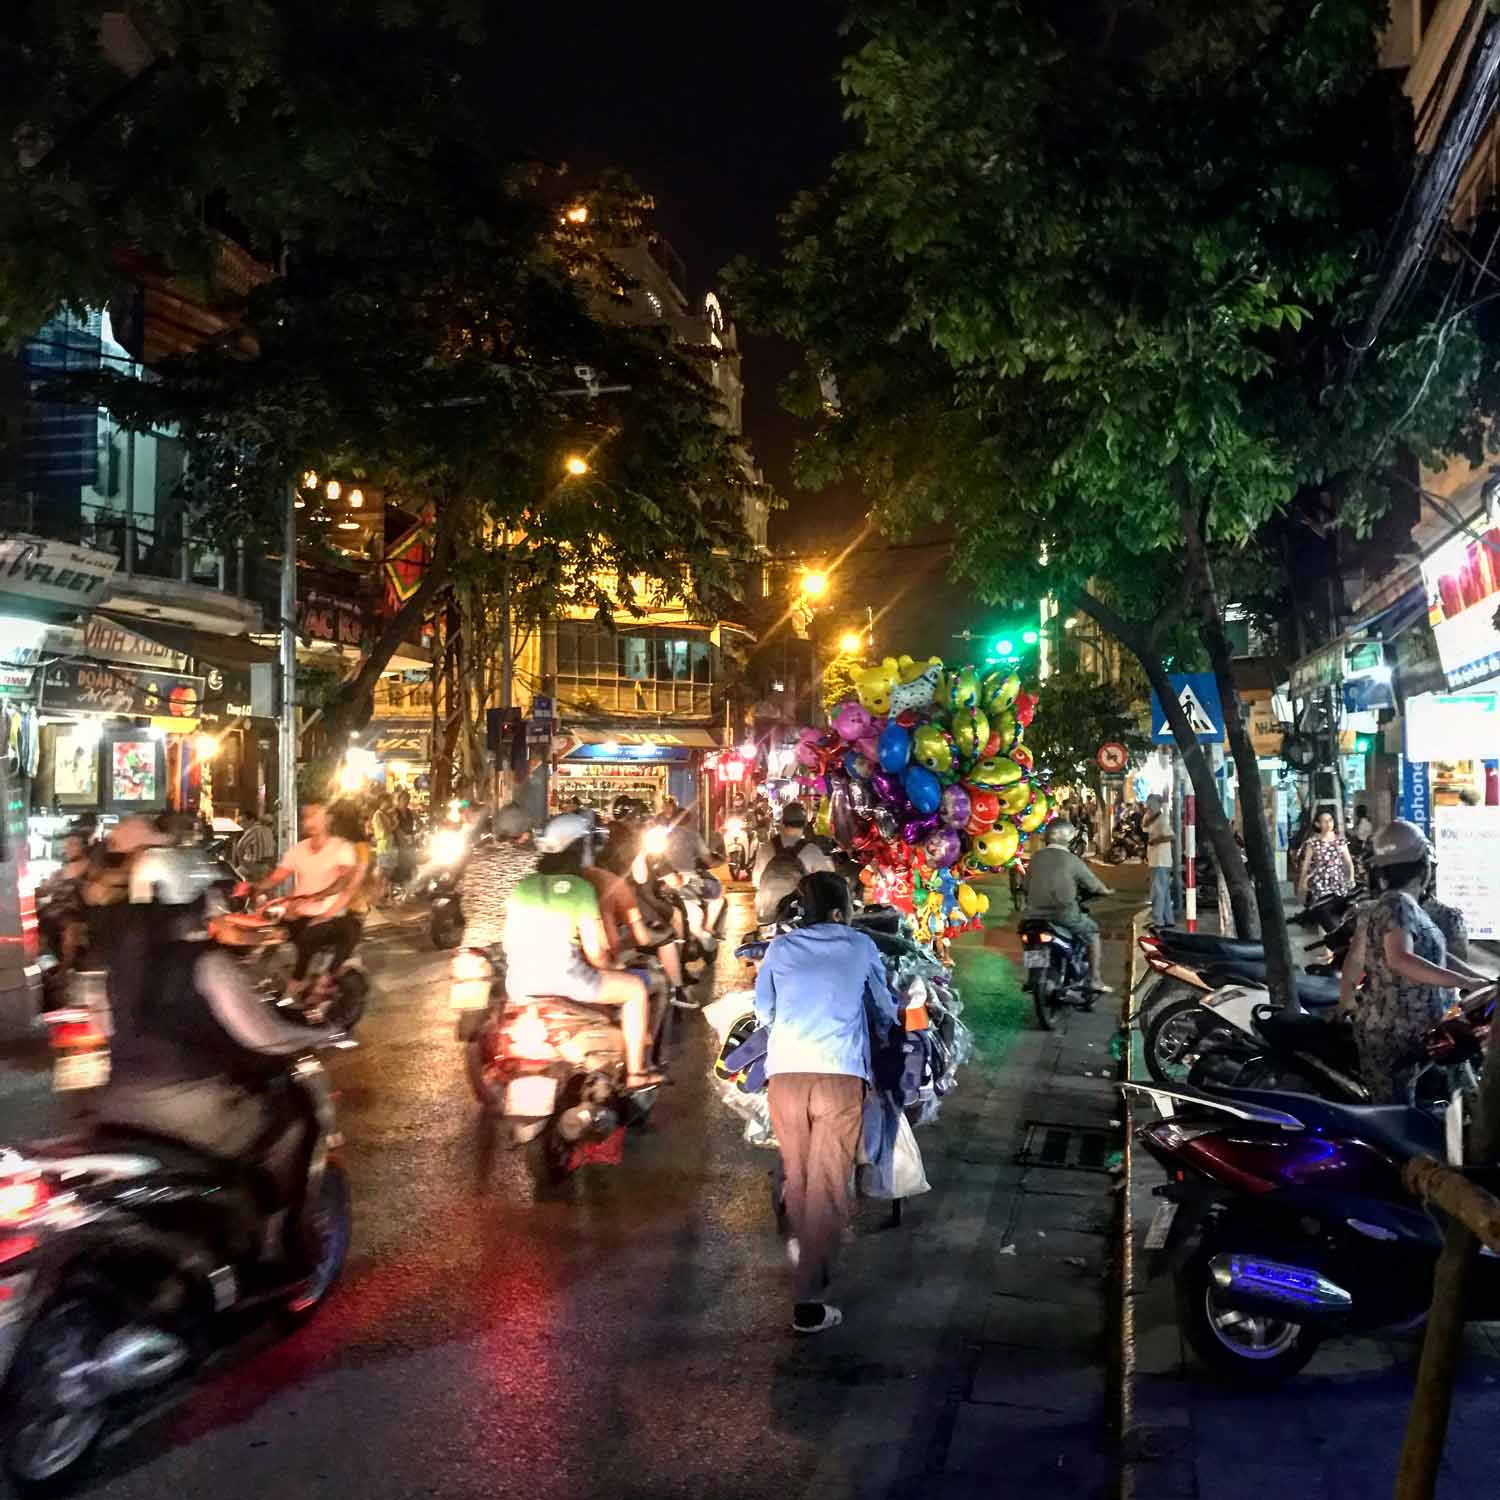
850,642
576,465
578,214
814,585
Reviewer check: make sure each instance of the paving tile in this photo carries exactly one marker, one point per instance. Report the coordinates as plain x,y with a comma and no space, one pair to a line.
1093,1214
1040,1380
1034,1275
1273,1481
1030,1324
1029,1453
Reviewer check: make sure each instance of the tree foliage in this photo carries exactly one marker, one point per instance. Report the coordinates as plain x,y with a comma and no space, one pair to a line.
1075,715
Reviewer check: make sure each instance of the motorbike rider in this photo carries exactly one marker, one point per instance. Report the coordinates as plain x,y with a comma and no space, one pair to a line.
623,840
1054,882
1409,975
555,942
690,860
794,853
495,868
193,1047
325,875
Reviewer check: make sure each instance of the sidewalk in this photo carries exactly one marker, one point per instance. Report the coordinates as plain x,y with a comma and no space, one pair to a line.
1335,1431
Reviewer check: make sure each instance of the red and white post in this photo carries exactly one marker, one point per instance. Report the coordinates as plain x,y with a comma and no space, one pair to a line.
1190,858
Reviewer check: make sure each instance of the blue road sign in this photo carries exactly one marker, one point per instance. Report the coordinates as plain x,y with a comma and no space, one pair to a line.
1198,692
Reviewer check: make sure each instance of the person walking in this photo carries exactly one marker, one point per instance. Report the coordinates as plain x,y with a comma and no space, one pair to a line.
1160,858
821,990
1326,867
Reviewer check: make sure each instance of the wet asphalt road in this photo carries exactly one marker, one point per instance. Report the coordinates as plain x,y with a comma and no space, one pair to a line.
625,1339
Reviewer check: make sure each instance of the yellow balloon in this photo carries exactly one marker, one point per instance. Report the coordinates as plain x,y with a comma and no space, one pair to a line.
998,846
823,823
1014,799
968,900
984,903
963,688
971,731
1005,726
1035,815
1000,692
995,770
874,686
909,669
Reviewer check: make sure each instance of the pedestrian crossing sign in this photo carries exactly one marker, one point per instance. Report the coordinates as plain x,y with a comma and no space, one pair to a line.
1198,693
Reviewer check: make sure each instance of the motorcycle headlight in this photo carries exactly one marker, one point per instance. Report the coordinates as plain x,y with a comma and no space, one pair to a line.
655,841
448,846
734,825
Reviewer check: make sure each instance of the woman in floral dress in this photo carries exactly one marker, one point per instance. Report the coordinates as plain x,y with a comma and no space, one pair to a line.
1326,868
1409,978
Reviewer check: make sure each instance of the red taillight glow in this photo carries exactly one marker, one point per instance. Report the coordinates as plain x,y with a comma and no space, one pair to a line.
22,1199
1044,937
529,1030
1149,942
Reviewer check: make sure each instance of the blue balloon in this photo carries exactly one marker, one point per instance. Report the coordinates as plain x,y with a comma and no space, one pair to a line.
924,790
893,748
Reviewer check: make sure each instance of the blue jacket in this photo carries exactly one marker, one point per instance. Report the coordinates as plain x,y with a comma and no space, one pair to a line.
820,989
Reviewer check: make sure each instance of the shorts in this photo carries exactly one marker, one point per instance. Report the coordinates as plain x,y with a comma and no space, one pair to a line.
574,978
387,860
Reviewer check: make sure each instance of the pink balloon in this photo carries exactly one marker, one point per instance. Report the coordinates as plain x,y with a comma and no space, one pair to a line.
852,722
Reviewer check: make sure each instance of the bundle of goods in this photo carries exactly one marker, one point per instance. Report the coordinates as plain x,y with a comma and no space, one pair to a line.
925,779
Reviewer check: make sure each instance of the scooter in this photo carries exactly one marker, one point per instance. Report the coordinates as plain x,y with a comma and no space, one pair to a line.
125,1256
1287,1222
739,848
1056,964
550,1072
441,882
333,994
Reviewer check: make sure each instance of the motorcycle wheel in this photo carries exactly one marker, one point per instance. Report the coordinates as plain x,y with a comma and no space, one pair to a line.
351,992
1045,994
1174,1035
1249,1349
53,1422
325,1234
478,1051
547,1159
446,929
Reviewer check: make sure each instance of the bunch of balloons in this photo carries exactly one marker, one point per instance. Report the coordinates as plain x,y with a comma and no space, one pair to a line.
926,773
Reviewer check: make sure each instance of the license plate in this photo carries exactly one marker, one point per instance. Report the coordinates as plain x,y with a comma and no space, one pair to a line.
80,1070
531,1096
469,994
1033,958
1161,1225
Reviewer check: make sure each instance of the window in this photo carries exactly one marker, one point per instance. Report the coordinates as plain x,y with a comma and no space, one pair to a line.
648,670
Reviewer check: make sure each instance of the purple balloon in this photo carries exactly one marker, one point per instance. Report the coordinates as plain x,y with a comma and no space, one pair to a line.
841,819
957,806
914,830
942,848
887,787
852,722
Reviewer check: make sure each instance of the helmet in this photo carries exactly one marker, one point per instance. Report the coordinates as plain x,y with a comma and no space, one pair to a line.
562,832
1059,831
1399,843
622,808
174,876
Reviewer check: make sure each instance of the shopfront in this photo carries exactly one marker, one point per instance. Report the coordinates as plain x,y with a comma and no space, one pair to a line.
600,764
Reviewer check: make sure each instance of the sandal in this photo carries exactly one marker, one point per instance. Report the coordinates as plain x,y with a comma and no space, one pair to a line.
634,1082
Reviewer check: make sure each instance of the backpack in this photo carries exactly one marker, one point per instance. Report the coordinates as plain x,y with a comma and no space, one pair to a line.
782,875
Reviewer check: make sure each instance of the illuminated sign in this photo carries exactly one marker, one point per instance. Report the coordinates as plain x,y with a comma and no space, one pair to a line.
1462,578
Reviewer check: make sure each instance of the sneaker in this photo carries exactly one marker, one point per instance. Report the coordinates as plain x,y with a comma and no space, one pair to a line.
815,1317
1101,989
793,1252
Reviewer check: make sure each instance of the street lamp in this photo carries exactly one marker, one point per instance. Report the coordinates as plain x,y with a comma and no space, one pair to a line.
576,465
578,214
814,584
851,642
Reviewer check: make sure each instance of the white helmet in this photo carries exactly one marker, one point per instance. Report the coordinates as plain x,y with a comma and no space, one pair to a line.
1399,843
562,832
1059,831
171,876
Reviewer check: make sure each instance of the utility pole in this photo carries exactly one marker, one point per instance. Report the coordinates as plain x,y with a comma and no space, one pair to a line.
286,729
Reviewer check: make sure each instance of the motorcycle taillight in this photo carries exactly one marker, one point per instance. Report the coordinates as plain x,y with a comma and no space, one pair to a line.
1207,1151
527,1036
22,1199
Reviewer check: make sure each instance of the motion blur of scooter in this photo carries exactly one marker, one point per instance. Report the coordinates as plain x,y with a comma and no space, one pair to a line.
440,880
739,847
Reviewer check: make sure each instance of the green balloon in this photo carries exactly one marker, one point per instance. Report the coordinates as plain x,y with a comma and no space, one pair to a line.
971,732
931,747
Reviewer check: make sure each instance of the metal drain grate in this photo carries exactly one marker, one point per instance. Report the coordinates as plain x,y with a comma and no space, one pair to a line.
1079,1148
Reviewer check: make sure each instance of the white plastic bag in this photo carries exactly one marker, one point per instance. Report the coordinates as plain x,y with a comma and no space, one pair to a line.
907,1175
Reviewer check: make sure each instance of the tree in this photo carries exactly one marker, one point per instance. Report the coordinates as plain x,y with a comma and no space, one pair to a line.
1075,714
839,673
1109,258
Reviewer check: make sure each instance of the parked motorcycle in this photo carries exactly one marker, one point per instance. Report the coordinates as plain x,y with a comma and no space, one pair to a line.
123,1256
1287,1222
1056,963
550,1072
1129,841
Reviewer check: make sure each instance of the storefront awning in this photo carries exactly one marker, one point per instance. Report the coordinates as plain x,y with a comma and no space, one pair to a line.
682,738
204,646
1395,617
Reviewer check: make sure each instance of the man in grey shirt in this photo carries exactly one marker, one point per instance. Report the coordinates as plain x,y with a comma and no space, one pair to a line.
1053,883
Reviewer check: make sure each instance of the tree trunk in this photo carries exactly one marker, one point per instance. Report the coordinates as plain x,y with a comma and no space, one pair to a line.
350,708
1210,808
1281,967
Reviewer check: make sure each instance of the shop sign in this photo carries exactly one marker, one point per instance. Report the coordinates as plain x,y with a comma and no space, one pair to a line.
15,682
96,636
323,617
1265,723
1416,793
51,578
1468,861
1462,578
1453,726
402,744
226,692
100,688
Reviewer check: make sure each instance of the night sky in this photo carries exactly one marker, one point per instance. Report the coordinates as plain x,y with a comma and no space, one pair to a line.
722,113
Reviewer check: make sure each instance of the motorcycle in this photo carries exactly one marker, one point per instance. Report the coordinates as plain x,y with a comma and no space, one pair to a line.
550,1072
441,882
739,848
124,1256
1129,841
333,994
1056,964
1287,1222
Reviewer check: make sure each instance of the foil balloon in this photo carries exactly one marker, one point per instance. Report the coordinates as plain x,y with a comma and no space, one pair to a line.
1007,728
971,732
963,689
883,821
869,746
1034,816
984,810
914,830
995,770
842,822
823,823
972,903
1000,692
887,789
942,848
931,747
915,691
956,806
996,848
1021,754
1014,799
894,749
861,798
852,722
856,765
924,790
874,686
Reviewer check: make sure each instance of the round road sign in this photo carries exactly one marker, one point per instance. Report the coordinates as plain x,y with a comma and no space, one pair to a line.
1112,757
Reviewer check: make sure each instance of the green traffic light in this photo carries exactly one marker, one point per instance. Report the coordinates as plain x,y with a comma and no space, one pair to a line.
1004,646
1030,637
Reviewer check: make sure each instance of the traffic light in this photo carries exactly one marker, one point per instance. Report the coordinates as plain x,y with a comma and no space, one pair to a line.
1030,637
1005,647
1364,744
